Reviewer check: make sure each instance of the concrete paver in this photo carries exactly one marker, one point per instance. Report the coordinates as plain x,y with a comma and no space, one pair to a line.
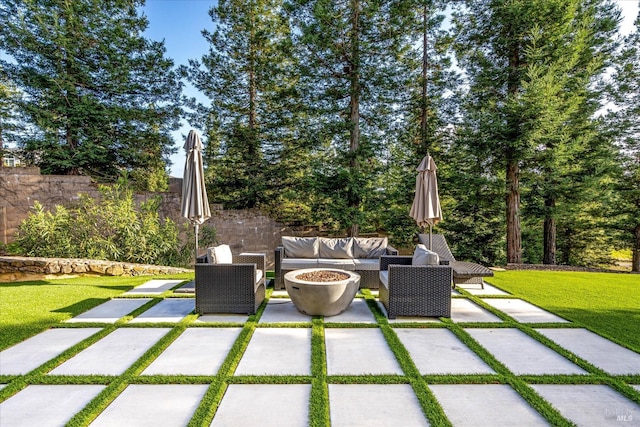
481,405
187,288
523,311
46,405
374,405
591,405
637,387
168,310
258,405
439,351
197,351
147,405
282,310
598,351
522,354
277,351
464,310
358,351
357,312
113,354
110,311
474,289
153,287
33,352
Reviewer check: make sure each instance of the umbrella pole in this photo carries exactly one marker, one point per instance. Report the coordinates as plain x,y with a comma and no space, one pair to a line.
430,243
196,258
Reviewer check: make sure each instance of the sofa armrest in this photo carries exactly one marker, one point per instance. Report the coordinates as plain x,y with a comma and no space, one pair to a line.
387,260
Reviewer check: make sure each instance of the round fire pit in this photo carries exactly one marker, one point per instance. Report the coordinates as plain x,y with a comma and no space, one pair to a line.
321,291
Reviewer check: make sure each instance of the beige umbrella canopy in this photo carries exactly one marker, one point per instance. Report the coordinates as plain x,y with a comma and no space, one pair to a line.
195,204
426,203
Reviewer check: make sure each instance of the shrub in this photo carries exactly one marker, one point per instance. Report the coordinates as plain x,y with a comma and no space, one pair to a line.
111,229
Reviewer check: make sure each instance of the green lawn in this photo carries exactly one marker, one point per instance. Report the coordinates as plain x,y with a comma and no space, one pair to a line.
607,303
27,308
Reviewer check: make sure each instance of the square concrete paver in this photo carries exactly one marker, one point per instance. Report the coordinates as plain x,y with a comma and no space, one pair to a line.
113,354
464,310
33,352
168,310
522,354
141,405
277,351
357,312
282,310
374,405
46,405
187,288
111,311
596,350
153,287
439,351
523,311
474,289
258,405
485,405
359,351
198,351
637,387
591,405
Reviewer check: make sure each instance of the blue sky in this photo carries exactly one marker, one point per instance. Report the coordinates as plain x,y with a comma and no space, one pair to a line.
180,23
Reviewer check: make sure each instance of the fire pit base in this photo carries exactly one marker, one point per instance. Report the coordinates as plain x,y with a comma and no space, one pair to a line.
320,298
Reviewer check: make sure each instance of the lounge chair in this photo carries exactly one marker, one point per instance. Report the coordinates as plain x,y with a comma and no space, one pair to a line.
414,290
238,287
463,272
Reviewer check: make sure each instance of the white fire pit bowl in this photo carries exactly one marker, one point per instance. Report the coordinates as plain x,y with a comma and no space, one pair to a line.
321,298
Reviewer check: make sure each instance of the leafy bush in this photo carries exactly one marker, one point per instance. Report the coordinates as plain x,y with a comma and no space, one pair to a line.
111,229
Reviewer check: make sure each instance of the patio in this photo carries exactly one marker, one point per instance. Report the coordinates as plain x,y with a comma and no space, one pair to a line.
147,360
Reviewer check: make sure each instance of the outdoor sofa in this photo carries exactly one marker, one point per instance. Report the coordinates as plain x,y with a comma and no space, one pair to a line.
359,254
229,283
415,285
463,272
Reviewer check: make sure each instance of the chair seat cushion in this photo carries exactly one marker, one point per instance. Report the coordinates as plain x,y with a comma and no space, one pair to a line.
384,278
340,263
367,264
259,274
298,263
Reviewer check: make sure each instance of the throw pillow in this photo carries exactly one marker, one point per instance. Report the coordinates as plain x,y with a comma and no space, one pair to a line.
423,256
220,255
369,247
336,248
300,247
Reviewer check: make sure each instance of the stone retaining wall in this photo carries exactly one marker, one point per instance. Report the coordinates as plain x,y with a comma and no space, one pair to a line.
27,268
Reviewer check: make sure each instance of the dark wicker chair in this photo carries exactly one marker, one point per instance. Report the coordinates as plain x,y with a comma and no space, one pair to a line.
463,272
415,290
231,288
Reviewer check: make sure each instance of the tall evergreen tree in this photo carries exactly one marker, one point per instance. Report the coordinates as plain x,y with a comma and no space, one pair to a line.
100,97
247,76
530,64
348,53
627,99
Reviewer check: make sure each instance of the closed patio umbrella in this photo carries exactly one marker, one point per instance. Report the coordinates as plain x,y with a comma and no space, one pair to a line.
426,203
195,204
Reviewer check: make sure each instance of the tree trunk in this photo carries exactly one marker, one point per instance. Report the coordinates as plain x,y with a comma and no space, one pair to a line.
635,262
549,256
354,105
514,244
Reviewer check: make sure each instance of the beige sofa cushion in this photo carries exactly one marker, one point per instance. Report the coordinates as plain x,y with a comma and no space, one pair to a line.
300,247
219,255
339,263
298,263
336,248
423,256
367,264
369,247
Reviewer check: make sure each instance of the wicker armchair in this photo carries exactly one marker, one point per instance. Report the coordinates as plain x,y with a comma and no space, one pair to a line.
414,290
231,288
